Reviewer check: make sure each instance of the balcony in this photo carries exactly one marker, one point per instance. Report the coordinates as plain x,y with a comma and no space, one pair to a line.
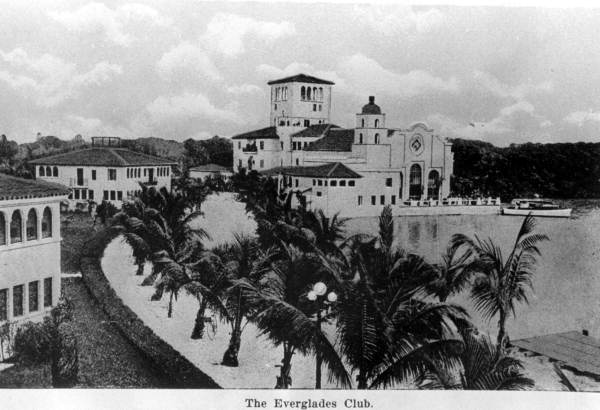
250,148
149,182
76,182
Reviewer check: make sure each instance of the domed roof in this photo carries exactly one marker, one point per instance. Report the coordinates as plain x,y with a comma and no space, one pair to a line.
371,107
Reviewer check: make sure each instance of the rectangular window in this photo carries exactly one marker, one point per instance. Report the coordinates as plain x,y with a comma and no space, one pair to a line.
360,200
333,182
343,182
105,195
325,182
18,300
296,182
112,174
320,183
240,163
261,145
91,194
388,182
373,200
93,174
145,171
34,296
239,144
281,145
393,199
120,195
314,182
47,292
84,193
306,123
314,107
3,304
319,193
76,193
382,199
113,195
351,183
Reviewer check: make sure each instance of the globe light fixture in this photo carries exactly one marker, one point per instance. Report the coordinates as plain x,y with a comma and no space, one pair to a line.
332,297
312,296
320,288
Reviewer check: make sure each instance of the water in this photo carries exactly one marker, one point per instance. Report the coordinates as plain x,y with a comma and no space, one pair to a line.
566,285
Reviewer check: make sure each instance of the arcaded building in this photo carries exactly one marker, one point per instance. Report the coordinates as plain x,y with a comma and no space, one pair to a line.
29,247
355,171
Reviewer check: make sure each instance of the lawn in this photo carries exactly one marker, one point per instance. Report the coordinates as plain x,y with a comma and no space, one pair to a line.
76,229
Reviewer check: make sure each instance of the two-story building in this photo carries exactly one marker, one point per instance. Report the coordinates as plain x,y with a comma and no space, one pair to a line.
104,172
355,171
29,247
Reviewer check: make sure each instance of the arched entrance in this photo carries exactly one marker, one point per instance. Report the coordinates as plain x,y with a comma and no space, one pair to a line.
250,162
415,189
433,184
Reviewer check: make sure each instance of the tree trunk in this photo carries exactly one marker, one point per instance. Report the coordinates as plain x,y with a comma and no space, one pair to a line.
170,311
318,354
198,331
502,337
140,269
284,380
361,380
230,357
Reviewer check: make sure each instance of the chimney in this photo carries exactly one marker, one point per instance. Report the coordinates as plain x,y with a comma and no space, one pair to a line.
371,99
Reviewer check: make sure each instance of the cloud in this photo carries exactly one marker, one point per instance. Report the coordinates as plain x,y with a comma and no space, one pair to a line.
500,89
50,80
581,117
365,76
226,33
113,24
187,58
189,106
244,89
399,20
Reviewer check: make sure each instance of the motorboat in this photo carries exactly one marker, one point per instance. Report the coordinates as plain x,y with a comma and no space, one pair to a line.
536,207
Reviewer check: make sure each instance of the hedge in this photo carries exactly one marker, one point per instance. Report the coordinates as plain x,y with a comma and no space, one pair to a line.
165,359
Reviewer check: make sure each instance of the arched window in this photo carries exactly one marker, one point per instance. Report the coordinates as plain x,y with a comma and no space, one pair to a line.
376,123
400,190
308,93
321,93
16,228
2,229
48,171
55,171
315,93
433,184
303,93
31,225
360,138
47,223
42,172
362,123
285,93
415,188
376,138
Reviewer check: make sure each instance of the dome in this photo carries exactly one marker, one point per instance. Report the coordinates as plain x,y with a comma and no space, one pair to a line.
371,107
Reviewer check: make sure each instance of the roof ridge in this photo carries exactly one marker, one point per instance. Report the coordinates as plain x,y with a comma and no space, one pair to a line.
335,165
122,160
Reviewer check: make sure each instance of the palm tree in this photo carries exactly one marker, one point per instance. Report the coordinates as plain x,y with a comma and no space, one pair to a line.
482,367
387,331
285,315
238,264
325,232
453,274
501,283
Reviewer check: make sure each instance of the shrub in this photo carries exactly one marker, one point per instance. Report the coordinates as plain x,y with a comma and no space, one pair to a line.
32,343
105,211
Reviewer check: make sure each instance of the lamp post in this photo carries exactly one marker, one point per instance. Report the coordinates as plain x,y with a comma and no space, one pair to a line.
319,295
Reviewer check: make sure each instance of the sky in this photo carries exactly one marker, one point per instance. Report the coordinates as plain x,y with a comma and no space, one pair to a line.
188,69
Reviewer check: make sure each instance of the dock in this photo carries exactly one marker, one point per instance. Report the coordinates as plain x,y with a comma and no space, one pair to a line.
572,349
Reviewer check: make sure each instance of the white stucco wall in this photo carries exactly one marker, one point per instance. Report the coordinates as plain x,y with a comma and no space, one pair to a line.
33,260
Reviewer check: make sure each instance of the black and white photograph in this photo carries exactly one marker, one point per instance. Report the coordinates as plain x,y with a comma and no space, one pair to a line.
308,204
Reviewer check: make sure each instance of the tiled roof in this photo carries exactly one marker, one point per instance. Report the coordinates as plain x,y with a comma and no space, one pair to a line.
301,78
330,170
20,188
210,168
315,130
335,139
263,133
103,156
